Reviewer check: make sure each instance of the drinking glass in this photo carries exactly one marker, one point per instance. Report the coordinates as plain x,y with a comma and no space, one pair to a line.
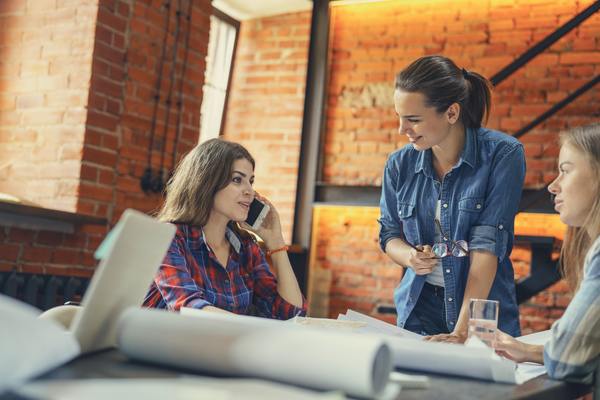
483,320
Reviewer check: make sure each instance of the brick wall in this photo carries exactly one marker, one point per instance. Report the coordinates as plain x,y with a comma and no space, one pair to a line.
45,68
129,43
47,252
347,269
371,42
77,83
360,275
266,103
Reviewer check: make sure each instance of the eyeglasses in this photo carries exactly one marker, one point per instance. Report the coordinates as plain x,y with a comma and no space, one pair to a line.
458,248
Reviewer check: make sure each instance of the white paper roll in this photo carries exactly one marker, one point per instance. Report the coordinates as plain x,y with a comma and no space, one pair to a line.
356,364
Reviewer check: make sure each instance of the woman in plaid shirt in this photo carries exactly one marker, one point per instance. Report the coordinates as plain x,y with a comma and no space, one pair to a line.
213,263
573,352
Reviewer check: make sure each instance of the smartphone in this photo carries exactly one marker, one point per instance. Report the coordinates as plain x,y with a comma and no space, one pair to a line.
257,213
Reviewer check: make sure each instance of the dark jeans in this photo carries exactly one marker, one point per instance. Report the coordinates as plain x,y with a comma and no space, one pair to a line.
429,315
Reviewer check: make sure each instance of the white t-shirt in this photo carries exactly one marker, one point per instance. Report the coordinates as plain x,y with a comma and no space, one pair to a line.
436,277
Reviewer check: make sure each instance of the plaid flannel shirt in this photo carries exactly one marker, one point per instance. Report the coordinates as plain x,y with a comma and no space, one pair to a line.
191,276
573,352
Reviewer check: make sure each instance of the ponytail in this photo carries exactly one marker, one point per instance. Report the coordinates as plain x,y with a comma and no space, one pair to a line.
443,84
476,108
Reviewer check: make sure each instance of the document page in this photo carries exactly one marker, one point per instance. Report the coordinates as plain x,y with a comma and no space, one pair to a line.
374,325
481,363
528,371
30,346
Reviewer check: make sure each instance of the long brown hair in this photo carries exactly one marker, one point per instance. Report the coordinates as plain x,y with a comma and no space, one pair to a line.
205,170
585,139
442,83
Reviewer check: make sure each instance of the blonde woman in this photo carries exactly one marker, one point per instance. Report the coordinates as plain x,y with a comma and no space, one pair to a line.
573,351
212,263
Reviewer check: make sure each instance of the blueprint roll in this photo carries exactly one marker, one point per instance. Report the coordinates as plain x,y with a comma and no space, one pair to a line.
355,364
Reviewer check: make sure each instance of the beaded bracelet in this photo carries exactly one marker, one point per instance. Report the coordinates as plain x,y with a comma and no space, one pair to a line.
270,252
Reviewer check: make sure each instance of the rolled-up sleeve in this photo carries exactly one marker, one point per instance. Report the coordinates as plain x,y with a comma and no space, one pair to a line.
175,283
573,352
495,225
390,226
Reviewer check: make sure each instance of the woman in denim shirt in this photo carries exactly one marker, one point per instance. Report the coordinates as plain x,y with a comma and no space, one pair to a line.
449,200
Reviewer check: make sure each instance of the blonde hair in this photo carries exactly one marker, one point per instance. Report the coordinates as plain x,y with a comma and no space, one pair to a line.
586,140
205,170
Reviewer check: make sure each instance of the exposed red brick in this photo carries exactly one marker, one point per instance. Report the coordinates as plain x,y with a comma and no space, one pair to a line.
271,63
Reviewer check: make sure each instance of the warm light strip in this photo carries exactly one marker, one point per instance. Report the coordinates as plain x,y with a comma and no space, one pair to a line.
351,2
526,224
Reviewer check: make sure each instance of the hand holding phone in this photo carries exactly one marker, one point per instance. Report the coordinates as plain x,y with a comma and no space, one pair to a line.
257,213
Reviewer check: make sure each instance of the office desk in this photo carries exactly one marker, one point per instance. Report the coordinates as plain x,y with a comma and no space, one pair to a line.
113,364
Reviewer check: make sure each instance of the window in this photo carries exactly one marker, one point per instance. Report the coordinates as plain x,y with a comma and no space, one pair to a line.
219,64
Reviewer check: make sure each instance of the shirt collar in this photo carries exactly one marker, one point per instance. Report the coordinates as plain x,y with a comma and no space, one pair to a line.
468,156
424,162
231,236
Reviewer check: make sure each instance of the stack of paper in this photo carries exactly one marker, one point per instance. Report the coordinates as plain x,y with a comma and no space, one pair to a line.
473,361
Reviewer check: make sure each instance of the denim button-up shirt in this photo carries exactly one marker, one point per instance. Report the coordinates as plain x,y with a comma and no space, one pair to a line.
479,199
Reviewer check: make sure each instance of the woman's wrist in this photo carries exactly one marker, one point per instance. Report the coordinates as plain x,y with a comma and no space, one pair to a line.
535,353
273,244
272,251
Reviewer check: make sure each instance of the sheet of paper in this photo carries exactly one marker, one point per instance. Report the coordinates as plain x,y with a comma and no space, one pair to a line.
192,388
536,338
108,243
528,371
327,323
374,325
30,346
131,254
357,364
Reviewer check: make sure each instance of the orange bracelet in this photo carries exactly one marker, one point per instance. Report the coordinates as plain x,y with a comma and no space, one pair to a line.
270,252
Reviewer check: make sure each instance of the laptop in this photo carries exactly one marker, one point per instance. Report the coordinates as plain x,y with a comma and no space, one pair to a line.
130,256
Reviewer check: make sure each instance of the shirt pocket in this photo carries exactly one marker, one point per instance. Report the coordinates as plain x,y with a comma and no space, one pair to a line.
469,209
408,217
470,204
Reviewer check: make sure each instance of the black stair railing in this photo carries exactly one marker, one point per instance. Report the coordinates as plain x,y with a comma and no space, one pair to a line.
544,270
557,107
544,44
541,46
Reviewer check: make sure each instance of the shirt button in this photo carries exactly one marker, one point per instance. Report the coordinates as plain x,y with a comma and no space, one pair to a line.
448,271
478,206
449,298
227,281
501,227
445,205
451,322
